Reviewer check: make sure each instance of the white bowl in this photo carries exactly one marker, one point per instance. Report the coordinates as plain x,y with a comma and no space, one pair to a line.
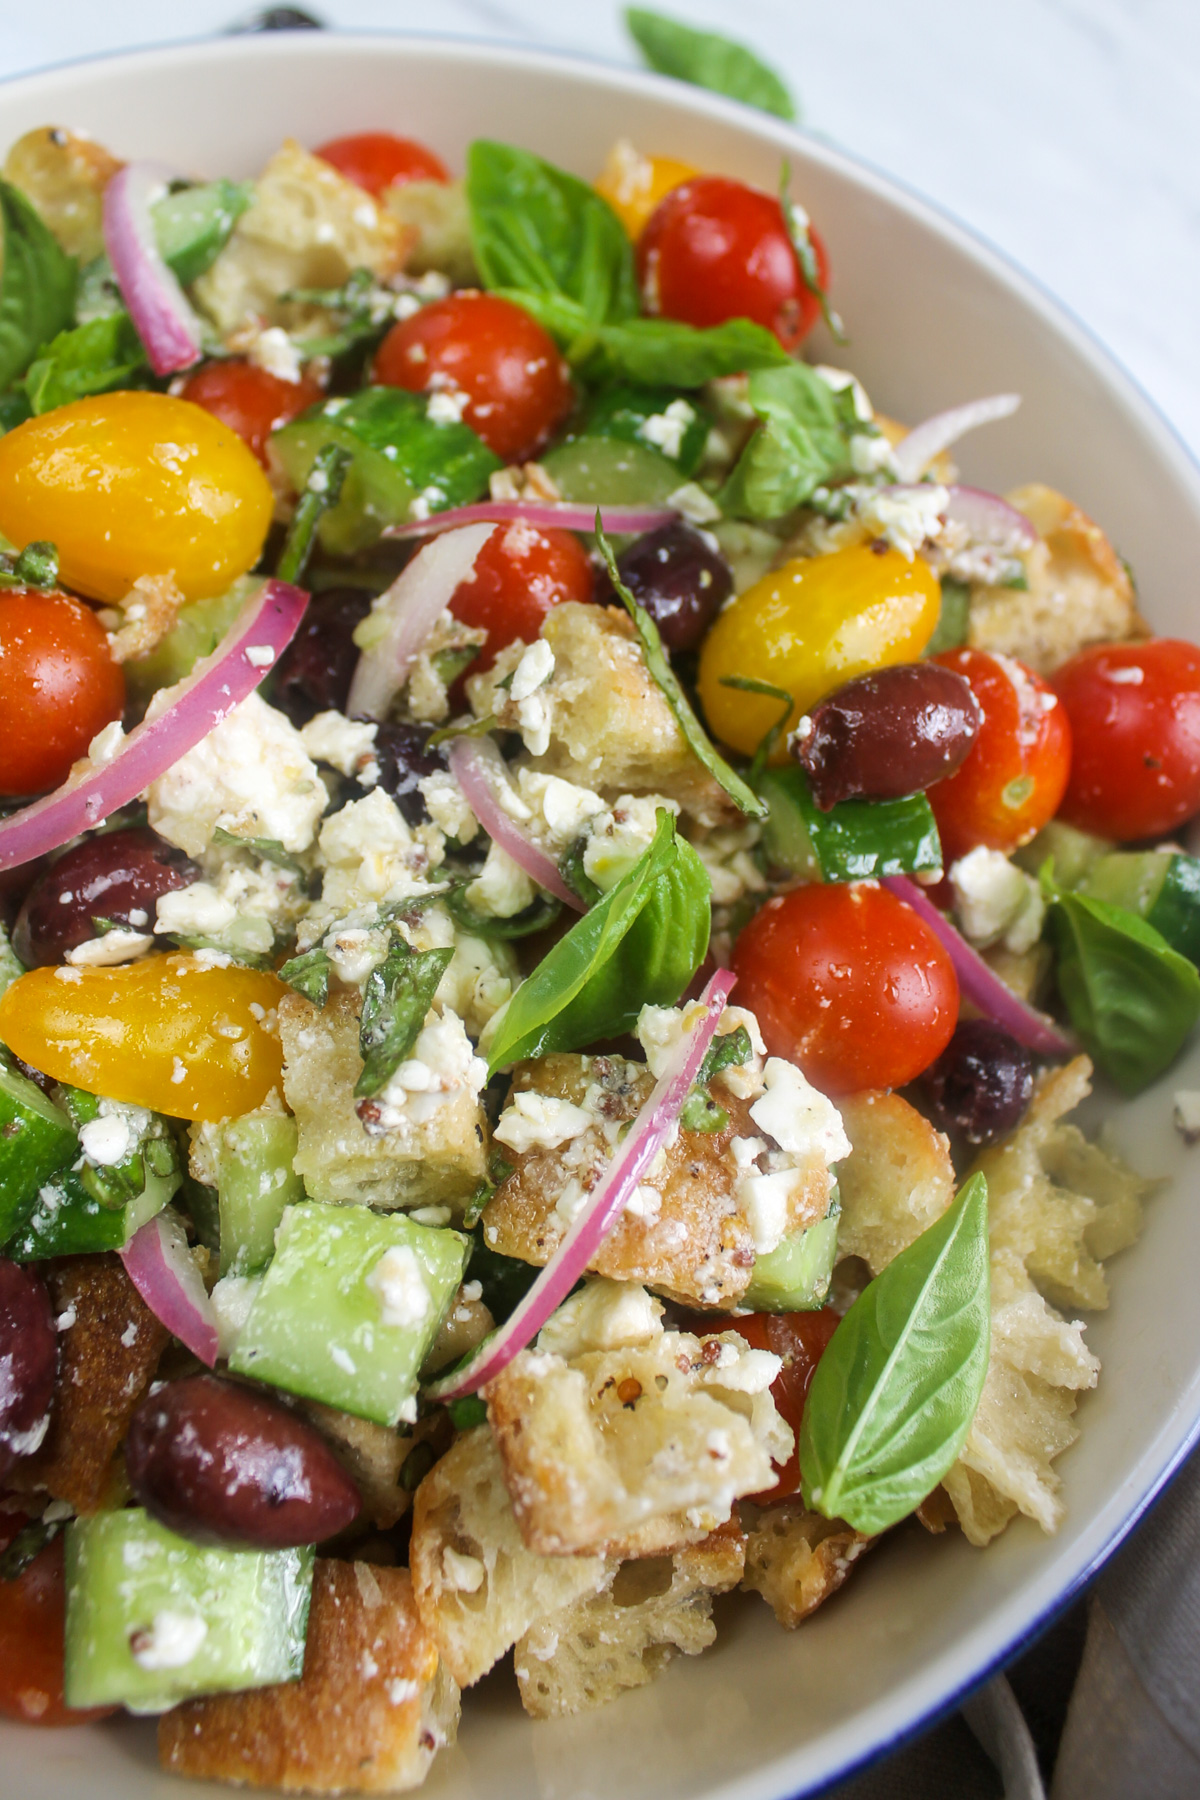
934,317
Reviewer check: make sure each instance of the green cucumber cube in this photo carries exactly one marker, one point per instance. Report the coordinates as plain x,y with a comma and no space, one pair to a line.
349,1308
588,470
795,1276
255,1182
198,629
193,225
1161,886
856,840
639,415
67,1220
153,1618
36,1140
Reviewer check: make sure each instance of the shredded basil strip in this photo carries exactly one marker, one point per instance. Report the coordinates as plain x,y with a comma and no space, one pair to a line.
26,1547
802,444
322,491
708,60
398,995
750,684
728,1051
799,231
544,910
309,975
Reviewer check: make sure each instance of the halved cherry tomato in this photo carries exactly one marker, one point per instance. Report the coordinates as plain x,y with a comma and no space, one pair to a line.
849,983
58,686
716,249
1135,729
493,352
1016,771
801,1339
251,401
32,1615
521,573
376,160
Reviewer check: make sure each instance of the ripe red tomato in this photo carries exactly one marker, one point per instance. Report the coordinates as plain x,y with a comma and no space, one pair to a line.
479,345
249,400
801,1339
32,1612
716,249
377,160
849,983
521,572
58,686
1016,771
1135,725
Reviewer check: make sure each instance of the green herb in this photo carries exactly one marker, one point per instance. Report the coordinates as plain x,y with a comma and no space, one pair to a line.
448,665
398,995
707,60
729,1051
856,840
468,1412
661,672
700,1112
653,352
800,232
36,566
92,359
448,733
26,1547
571,869
750,684
37,288
112,1187
14,410
803,442
247,956
1132,999
641,943
951,629
309,975
362,311
322,491
544,910
268,850
894,1395
474,1210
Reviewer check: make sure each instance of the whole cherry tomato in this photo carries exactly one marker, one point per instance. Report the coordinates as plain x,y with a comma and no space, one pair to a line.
801,1339
1016,771
514,380
58,686
251,401
716,249
1135,728
849,983
32,1616
520,574
376,160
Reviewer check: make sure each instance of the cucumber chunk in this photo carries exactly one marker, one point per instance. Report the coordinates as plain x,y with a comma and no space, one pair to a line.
153,1618
856,840
589,470
193,226
68,1220
255,1182
36,1140
198,629
349,1308
1161,886
1073,852
795,1276
661,419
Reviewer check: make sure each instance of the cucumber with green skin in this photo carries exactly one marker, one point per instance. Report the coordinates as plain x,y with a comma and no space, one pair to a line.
153,1618
626,414
36,1140
67,1220
590,471
1160,886
255,1182
795,1276
856,840
1072,852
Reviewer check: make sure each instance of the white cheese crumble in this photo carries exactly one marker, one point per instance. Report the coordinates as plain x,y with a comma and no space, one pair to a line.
659,1029
195,911
742,1370
621,835
170,1643
441,1065
368,852
274,351
905,521
345,744
107,1141
446,406
112,947
105,744
447,806
801,1120
232,1298
603,1315
502,888
533,706
540,1121
666,430
398,1281
560,810
995,901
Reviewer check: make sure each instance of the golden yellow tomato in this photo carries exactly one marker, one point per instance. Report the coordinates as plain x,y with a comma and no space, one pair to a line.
165,1032
634,184
135,484
810,626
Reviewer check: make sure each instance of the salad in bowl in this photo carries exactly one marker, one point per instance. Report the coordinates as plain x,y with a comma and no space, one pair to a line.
564,879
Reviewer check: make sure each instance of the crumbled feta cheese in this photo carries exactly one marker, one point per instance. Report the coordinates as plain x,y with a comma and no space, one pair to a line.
232,1298
170,1643
621,835
354,952
764,1200
479,980
105,744
540,1121
742,1370
463,1573
732,870
369,853
838,380
560,810
446,405
447,806
801,1120
274,351
107,1140
659,1029
695,504
906,520
1187,1114
603,1315
446,1063
995,901
870,452
502,888
666,430
259,656
194,911
345,744
119,946
398,1281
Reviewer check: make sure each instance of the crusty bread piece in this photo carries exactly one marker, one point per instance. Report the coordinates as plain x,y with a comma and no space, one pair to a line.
896,1181
109,1347
477,1587
624,1636
65,176
795,1558
371,1710
373,1454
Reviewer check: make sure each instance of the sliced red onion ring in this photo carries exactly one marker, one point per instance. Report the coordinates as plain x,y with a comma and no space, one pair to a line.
478,768
560,515
603,1206
157,304
925,441
185,713
981,985
989,519
406,613
160,1266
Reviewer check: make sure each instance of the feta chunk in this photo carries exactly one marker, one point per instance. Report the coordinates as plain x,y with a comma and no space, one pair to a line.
666,430
369,853
620,836
110,948
659,1029
561,810
603,1315
398,1281
801,1120
502,888
107,1140
170,1642
274,351
441,1063
995,901
535,667
447,806
907,520
345,744
539,1121
195,911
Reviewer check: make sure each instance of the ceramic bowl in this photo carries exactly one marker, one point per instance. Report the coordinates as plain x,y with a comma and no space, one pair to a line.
934,317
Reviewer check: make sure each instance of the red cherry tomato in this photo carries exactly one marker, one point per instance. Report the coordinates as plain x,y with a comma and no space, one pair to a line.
801,1339
250,401
716,249
1135,727
520,574
58,686
377,160
1016,771
849,983
492,351
32,1613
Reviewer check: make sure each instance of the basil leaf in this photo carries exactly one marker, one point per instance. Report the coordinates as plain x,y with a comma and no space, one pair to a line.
36,566
322,491
309,975
641,943
803,442
894,1395
37,288
537,228
651,352
661,672
398,995
951,629
268,850
799,230
707,60
729,1051
544,910
1132,999
92,359
750,684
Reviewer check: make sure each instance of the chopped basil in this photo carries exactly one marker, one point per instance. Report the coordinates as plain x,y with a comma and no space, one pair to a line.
37,287
398,995
708,60
309,975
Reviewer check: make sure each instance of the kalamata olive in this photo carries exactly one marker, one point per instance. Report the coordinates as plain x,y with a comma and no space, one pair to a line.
223,1464
404,756
119,875
315,671
893,732
680,578
980,1084
28,1357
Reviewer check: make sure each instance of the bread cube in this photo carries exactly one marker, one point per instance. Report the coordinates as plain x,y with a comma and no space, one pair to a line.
896,1181
795,1558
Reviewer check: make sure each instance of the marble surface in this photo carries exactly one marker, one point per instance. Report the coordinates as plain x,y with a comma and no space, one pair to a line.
1065,131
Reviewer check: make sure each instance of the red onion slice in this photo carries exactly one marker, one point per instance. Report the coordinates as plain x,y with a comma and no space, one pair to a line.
603,1206
159,1264
990,520
981,985
478,766
264,627
407,612
925,441
560,515
158,306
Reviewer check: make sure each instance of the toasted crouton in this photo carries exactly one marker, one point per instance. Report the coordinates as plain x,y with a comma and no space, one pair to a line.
624,1636
65,176
896,1181
795,1558
109,1347
373,1454
477,1587
368,1715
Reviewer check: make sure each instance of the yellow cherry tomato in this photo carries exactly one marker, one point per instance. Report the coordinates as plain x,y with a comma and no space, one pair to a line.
135,484
809,627
166,1032
634,184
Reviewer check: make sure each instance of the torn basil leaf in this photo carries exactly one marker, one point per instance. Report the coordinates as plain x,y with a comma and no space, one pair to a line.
398,995
309,973
802,443
37,287
708,60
